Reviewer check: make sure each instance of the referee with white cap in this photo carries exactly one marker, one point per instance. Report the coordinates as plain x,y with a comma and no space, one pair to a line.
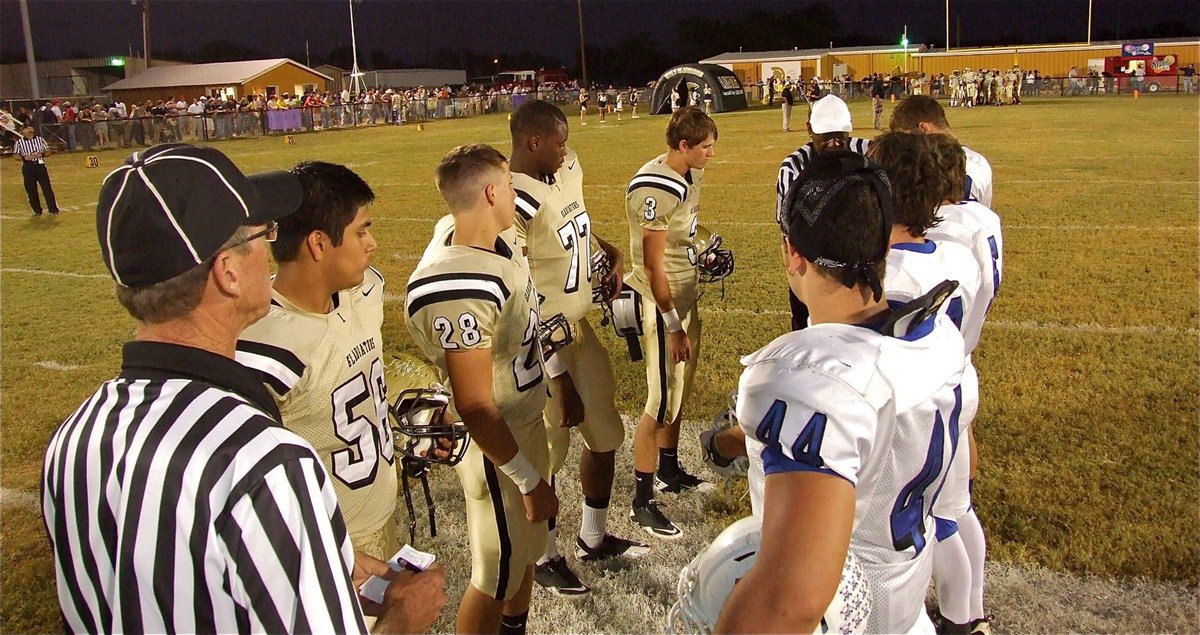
174,500
31,150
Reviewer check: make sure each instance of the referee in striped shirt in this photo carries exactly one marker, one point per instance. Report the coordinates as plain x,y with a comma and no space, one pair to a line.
32,151
829,128
173,498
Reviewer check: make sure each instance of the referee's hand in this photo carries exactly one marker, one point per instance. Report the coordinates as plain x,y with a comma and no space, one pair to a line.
413,601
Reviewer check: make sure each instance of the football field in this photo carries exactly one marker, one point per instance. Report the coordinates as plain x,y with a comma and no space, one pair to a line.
1088,481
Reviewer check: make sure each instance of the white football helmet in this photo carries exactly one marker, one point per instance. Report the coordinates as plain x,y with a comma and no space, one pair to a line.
705,584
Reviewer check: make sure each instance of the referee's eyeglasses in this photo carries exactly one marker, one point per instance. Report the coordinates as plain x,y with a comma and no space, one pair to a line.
270,233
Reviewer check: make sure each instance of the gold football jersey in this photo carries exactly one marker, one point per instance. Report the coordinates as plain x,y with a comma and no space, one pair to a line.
553,224
326,373
660,199
463,298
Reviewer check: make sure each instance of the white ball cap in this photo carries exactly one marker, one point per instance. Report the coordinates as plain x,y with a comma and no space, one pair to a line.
829,114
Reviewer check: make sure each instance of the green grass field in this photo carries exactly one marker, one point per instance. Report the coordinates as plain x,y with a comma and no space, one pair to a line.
1089,363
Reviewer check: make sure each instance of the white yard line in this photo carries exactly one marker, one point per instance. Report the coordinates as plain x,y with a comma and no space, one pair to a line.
52,365
60,274
1017,326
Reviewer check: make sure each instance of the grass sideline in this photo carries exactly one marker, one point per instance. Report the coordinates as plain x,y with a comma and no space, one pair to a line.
1089,363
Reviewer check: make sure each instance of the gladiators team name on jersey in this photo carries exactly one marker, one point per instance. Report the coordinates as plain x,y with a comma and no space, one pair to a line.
569,208
357,352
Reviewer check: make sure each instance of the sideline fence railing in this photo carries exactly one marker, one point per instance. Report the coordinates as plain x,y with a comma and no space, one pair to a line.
114,132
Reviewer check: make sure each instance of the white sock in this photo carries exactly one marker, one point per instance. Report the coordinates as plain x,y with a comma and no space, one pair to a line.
594,525
972,538
952,579
551,547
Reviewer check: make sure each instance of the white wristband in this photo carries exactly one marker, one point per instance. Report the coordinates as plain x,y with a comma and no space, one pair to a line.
554,366
671,318
522,472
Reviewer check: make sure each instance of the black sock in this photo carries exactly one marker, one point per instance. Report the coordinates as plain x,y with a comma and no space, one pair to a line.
597,503
644,484
513,624
668,462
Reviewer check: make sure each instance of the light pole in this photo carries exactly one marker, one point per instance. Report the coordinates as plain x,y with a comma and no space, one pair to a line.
30,62
356,80
582,50
145,28
1089,34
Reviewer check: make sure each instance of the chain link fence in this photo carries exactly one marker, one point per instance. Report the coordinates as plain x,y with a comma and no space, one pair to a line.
105,129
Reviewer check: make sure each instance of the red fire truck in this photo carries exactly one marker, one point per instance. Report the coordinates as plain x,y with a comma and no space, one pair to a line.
1161,71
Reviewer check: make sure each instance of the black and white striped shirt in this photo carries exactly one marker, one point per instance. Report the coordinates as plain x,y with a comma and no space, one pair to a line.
26,147
176,502
794,164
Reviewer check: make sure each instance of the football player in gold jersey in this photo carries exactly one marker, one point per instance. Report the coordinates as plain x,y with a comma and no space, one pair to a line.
661,204
319,348
555,231
472,310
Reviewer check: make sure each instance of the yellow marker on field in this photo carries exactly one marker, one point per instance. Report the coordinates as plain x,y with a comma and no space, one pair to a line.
92,161
420,127
290,140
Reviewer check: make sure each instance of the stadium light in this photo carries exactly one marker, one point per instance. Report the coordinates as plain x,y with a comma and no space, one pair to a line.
116,61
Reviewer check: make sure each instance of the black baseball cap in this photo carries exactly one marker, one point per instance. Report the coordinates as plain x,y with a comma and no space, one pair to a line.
171,207
814,211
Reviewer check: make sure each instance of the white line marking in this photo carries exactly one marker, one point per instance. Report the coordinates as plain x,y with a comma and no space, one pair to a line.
389,298
60,274
1089,181
1132,329
52,365
19,498
406,219
1018,227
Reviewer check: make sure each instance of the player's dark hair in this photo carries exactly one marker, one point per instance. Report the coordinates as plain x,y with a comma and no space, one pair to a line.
915,110
917,183
952,166
692,125
333,195
537,117
462,168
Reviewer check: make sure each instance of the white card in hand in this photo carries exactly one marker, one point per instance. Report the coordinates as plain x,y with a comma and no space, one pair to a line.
407,558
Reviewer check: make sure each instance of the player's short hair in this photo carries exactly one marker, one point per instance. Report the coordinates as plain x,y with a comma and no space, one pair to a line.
839,219
692,125
915,110
536,117
333,195
461,173
952,166
912,168
176,297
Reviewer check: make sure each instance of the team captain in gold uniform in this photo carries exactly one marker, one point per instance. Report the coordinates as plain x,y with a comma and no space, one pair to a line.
472,310
555,230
